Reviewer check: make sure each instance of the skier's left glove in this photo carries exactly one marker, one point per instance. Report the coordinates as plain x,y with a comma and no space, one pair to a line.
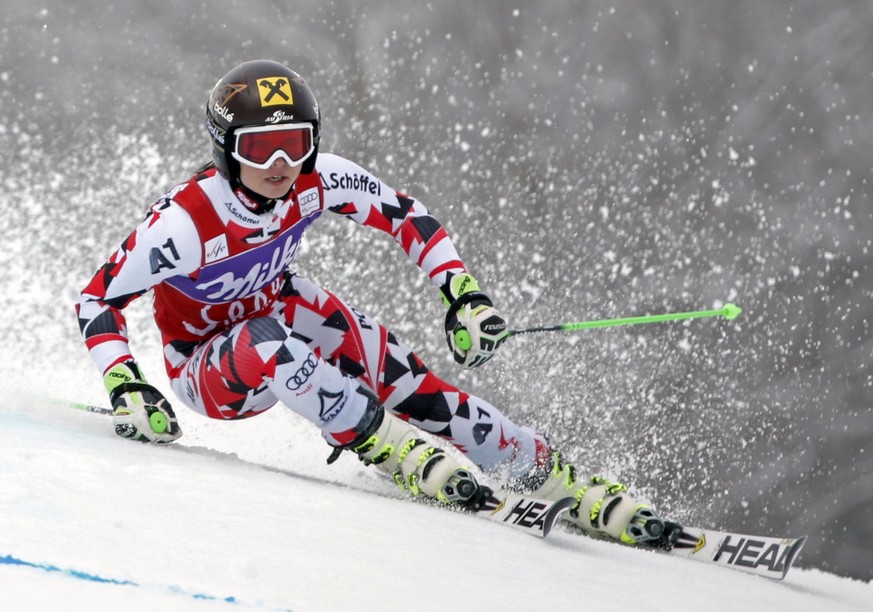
474,329
140,411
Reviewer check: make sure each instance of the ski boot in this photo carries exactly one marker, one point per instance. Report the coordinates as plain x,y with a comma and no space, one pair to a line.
603,509
395,447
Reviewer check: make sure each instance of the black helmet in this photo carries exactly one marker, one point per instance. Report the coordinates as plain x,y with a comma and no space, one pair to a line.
259,92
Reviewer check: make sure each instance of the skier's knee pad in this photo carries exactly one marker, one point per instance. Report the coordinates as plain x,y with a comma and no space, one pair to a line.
247,343
265,339
265,329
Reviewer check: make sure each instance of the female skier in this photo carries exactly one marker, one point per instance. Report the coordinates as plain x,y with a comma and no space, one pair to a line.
241,331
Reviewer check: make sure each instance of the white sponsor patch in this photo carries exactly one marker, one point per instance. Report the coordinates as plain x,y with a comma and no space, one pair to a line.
216,248
308,201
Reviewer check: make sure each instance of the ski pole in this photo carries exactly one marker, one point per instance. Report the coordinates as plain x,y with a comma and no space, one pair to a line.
88,407
728,311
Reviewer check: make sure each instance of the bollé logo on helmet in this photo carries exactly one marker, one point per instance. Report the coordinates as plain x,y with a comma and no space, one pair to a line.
223,111
216,131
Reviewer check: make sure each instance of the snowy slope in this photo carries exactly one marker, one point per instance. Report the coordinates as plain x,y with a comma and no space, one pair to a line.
208,530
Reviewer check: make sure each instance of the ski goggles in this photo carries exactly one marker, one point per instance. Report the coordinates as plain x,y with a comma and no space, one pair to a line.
262,145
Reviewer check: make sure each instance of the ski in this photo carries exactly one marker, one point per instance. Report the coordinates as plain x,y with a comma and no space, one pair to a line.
531,515
767,556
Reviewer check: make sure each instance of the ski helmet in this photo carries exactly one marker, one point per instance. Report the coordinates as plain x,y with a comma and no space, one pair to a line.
258,93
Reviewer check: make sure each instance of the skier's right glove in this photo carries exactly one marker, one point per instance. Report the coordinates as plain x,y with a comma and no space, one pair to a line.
140,411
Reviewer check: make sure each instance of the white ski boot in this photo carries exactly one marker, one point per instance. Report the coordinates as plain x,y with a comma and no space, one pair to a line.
603,508
395,446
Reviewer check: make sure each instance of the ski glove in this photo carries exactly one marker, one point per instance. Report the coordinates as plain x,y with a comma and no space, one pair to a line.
140,411
474,329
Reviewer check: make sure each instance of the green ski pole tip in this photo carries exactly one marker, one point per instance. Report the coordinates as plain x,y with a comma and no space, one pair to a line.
158,422
731,311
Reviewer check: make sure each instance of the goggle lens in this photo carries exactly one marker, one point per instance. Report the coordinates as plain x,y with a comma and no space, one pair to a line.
259,147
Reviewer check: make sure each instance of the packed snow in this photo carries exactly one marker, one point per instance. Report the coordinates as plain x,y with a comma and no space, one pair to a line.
247,515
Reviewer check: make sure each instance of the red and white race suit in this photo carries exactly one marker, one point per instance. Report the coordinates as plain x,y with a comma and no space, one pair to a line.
242,332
